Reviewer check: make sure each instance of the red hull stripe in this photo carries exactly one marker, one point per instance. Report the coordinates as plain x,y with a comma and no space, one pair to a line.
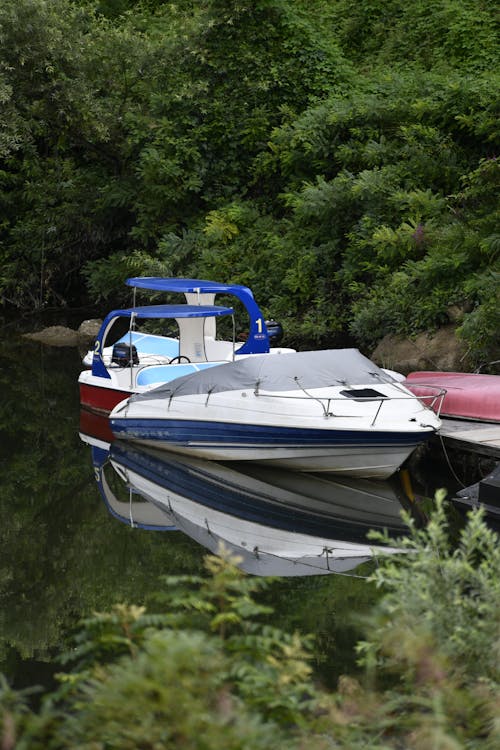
101,400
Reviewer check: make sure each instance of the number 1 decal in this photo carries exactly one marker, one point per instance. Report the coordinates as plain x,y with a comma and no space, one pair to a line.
259,325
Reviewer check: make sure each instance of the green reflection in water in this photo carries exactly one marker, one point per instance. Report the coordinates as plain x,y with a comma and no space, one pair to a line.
63,555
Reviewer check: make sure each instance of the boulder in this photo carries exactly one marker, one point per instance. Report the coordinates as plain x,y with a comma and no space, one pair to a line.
55,336
88,330
441,350
64,336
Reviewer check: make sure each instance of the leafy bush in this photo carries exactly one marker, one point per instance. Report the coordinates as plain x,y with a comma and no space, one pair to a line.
313,157
432,651
207,672
447,33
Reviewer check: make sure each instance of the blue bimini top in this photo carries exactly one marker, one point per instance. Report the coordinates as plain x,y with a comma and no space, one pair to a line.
258,336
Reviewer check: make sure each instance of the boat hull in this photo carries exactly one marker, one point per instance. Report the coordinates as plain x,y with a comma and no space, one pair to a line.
468,395
361,453
101,400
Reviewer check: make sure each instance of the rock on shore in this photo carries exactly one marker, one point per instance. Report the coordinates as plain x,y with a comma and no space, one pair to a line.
64,336
441,350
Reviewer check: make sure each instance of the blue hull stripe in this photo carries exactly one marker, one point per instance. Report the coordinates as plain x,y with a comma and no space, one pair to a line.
258,507
184,432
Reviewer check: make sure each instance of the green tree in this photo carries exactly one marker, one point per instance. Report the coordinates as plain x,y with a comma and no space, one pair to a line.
352,153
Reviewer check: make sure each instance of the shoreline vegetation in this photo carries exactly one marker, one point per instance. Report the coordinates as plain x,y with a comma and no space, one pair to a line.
342,163
207,670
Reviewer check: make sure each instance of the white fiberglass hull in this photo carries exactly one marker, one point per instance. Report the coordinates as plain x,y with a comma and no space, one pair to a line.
367,461
321,431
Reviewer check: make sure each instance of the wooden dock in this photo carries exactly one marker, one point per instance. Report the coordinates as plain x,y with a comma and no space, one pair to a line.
481,438
474,446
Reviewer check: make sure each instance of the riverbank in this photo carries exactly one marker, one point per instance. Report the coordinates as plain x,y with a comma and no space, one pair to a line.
439,350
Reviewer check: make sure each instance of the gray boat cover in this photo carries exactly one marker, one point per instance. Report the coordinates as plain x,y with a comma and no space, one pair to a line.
276,372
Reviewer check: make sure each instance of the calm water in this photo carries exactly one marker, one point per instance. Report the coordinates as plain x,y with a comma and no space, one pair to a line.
63,554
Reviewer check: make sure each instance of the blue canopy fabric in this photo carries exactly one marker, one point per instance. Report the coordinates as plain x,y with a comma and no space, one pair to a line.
172,311
157,284
258,338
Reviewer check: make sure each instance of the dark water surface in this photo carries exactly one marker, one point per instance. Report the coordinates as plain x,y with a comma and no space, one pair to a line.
64,555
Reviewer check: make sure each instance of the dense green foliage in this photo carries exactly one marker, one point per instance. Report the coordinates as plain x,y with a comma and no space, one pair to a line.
343,163
207,672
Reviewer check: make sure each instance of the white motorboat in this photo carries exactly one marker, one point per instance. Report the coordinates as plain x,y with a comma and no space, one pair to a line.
325,411
141,358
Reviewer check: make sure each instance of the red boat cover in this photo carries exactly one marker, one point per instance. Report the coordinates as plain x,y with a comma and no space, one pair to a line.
468,395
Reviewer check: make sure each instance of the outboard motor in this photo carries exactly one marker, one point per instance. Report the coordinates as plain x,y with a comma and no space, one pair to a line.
275,331
124,355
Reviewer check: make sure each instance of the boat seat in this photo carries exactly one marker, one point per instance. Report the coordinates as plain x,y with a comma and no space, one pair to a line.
220,349
164,373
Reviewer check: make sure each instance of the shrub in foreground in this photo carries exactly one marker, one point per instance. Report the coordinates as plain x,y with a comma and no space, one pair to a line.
210,673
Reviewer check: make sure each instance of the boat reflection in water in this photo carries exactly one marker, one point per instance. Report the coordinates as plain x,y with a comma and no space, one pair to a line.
278,523
137,510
